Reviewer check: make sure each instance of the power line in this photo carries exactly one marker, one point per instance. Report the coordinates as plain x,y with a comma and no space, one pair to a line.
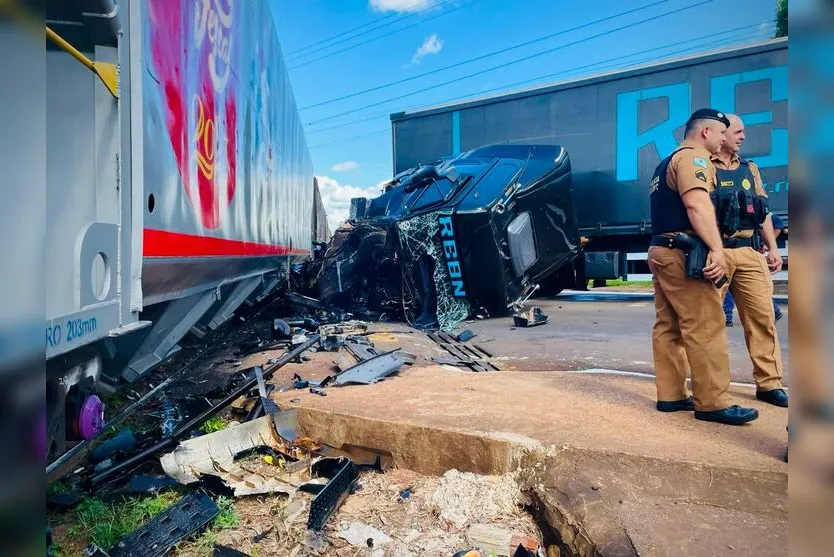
727,41
587,66
477,58
510,63
351,47
350,139
295,57
309,46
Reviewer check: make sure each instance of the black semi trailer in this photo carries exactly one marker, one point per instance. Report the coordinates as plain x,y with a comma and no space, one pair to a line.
616,128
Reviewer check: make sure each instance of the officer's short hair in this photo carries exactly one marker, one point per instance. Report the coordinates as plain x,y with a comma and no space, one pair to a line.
694,125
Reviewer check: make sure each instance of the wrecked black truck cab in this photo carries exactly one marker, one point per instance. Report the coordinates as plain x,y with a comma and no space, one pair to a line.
462,236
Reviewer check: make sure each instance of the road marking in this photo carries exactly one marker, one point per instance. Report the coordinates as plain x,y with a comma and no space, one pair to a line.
602,371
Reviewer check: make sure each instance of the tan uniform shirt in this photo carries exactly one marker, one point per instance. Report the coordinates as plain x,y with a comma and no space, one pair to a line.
690,169
735,162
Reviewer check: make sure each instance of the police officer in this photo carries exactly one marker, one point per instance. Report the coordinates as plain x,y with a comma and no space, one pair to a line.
689,322
744,220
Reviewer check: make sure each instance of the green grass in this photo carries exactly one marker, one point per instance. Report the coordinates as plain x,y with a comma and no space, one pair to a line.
56,488
213,424
104,523
628,283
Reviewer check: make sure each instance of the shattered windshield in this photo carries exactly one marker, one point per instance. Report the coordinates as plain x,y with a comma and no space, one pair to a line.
491,186
452,177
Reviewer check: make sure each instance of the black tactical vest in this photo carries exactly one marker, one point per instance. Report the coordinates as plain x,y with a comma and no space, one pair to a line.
668,211
737,205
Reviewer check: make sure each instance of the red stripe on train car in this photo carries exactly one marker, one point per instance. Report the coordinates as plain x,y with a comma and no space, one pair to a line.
161,243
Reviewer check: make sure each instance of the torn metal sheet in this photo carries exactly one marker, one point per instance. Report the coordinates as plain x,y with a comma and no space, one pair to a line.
371,371
243,483
200,455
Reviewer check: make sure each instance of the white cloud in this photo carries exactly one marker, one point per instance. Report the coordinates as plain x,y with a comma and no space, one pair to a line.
431,45
344,166
336,198
400,5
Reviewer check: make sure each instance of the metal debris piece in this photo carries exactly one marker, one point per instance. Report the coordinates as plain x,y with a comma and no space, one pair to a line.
530,318
124,441
281,330
168,528
304,301
343,474
268,405
203,454
361,456
145,483
65,501
361,350
372,370
225,551
463,354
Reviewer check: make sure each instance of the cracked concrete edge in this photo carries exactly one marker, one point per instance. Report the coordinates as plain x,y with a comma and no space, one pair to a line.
570,484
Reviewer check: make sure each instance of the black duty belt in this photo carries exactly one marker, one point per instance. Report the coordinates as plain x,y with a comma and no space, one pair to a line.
733,243
665,242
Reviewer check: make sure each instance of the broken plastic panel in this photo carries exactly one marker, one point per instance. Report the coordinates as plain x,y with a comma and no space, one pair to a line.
168,528
419,236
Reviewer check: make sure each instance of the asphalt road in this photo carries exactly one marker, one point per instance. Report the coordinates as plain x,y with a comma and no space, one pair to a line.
603,330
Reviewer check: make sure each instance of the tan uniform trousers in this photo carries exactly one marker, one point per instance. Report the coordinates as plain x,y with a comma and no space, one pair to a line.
689,325
752,286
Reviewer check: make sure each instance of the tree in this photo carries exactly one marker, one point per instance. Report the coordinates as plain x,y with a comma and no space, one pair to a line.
781,18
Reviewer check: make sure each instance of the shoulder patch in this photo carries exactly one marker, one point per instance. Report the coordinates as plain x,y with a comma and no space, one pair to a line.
699,161
701,175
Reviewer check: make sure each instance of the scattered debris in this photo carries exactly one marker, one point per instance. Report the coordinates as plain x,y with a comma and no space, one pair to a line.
342,473
466,335
168,528
362,535
197,421
530,318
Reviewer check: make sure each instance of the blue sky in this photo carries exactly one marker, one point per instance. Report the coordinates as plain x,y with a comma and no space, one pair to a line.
438,33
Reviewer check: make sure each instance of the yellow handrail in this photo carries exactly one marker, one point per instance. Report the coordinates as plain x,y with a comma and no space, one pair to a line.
107,72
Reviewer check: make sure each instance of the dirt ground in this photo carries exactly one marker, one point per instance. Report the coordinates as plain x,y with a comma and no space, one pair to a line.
431,519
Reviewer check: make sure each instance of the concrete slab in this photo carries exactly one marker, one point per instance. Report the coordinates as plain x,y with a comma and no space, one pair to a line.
611,474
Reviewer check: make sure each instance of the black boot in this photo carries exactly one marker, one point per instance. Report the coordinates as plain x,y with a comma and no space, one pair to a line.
685,405
776,397
734,415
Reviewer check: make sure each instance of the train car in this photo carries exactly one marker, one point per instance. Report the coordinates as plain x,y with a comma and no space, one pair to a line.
171,200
